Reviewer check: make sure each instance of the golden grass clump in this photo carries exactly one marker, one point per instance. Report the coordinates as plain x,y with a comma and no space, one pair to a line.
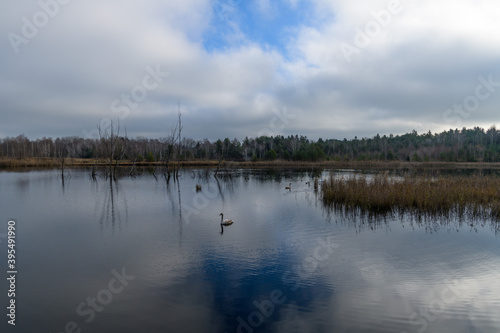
28,162
473,196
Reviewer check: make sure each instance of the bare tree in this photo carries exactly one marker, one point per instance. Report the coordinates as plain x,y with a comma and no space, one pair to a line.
112,147
179,141
169,150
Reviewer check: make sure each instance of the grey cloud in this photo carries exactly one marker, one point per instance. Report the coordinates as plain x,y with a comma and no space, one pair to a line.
66,78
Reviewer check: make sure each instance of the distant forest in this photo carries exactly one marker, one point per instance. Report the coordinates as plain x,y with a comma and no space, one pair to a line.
466,145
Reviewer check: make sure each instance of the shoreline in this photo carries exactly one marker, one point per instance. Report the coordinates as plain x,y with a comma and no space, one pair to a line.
6,164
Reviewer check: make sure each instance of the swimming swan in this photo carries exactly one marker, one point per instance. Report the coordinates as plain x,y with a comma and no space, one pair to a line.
226,221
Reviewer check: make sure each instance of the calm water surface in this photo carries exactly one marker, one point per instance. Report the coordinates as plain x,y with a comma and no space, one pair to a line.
140,256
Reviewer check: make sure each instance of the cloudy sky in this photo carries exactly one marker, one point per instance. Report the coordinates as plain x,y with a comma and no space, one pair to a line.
321,68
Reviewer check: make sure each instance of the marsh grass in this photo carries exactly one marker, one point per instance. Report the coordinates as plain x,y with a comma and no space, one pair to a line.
371,165
28,162
462,196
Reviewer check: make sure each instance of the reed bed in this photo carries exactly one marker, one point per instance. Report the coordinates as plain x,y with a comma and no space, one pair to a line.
29,163
462,196
86,162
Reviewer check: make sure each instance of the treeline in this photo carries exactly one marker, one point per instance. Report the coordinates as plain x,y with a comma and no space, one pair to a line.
465,145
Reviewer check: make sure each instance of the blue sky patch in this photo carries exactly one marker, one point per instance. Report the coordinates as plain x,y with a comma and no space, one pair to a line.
269,23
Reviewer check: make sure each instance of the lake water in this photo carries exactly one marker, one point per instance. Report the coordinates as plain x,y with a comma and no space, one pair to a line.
140,256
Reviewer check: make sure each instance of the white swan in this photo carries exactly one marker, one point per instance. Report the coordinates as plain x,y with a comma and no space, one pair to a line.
289,187
226,221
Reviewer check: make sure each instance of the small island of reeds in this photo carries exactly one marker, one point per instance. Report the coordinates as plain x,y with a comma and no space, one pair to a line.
422,195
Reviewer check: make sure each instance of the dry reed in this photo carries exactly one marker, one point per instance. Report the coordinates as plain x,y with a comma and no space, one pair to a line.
472,196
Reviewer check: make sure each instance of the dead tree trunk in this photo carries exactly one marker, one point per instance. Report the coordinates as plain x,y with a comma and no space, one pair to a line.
179,142
62,169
